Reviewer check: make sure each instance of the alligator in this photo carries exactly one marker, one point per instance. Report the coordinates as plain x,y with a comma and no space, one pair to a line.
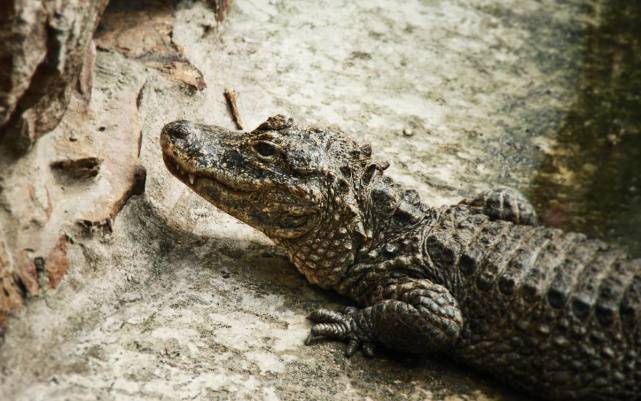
552,313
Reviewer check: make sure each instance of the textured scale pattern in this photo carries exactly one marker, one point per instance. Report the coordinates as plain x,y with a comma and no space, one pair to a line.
538,299
553,313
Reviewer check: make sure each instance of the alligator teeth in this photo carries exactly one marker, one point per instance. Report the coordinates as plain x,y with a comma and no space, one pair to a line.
191,179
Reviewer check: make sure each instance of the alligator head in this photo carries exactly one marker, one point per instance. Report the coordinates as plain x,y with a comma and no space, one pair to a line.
289,182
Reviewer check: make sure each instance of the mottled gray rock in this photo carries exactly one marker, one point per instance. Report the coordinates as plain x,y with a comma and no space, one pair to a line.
79,176
45,45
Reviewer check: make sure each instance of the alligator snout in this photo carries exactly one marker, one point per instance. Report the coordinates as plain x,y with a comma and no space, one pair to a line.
179,129
191,149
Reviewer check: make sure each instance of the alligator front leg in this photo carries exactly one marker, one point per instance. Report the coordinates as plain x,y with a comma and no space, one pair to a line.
504,204
415,316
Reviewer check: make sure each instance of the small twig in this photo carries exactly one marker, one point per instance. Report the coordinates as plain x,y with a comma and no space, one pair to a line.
232,96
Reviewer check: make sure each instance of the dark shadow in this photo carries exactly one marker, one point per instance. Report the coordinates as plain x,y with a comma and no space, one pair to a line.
265,269
591,182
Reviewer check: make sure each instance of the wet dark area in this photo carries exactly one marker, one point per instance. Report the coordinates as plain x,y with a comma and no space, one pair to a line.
591,181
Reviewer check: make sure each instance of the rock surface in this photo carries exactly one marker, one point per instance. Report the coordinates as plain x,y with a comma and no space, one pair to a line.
46,43
180,301
143,31
78,178
74,180
46,61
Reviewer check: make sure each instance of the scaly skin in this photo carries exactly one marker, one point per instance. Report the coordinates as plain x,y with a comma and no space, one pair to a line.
553,313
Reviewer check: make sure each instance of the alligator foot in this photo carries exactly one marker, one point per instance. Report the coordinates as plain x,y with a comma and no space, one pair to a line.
504,204
340,326
420,317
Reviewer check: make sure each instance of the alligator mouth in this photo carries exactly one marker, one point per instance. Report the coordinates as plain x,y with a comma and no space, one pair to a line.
192,179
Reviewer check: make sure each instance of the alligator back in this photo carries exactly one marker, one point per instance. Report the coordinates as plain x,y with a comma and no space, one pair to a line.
552,312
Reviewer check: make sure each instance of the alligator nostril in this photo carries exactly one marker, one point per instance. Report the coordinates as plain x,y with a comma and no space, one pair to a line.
177,129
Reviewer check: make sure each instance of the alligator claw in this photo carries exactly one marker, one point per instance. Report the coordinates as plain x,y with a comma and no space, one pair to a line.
340,326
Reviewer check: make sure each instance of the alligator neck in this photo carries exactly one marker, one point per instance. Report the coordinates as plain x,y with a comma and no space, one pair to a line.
325,254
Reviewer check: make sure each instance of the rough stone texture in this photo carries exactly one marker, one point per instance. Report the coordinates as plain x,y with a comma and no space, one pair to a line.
143,31
181,301
79,179
75,179
45,45
219,7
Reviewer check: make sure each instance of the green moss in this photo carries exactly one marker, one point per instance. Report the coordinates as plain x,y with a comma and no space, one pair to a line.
592,181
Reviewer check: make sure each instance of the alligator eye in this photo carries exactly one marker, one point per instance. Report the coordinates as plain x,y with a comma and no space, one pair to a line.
265,149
